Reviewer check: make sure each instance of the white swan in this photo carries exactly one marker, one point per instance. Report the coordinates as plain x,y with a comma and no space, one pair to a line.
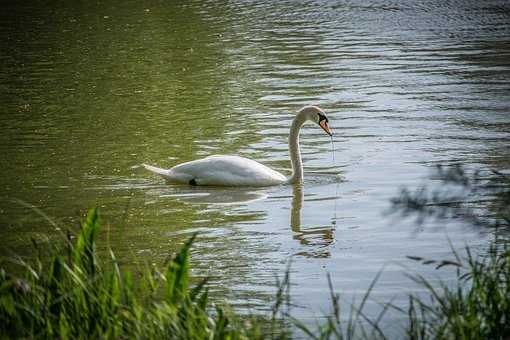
236,171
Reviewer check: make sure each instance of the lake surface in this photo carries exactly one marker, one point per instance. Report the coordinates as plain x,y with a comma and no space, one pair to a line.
90,91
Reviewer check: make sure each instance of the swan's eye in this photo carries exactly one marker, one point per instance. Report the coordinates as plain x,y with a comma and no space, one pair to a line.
322,117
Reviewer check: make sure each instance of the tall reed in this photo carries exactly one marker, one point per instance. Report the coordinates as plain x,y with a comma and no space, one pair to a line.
74,295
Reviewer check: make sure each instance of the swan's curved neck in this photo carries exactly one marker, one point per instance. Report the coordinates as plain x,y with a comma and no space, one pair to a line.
295,153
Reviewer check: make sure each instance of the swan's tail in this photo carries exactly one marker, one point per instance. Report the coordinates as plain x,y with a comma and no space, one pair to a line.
170,175
162,172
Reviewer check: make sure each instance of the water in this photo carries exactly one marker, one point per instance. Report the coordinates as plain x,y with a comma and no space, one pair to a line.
91,91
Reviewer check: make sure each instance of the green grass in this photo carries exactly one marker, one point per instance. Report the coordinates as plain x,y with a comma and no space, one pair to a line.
72,294
477,306
75,296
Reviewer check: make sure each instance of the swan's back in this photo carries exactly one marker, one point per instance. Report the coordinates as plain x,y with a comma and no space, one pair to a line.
225,171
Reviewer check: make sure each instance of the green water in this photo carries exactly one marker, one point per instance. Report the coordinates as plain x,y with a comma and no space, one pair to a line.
90,91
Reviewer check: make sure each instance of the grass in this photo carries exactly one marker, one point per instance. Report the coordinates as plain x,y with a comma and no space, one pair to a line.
74,295
476,306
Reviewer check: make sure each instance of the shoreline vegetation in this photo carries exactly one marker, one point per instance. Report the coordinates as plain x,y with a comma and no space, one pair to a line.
73,294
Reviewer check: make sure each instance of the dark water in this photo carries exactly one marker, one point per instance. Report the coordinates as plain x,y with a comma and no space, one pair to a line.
90,91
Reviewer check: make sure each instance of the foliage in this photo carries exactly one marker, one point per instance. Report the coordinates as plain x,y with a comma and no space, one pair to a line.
479,198
75,296
477,305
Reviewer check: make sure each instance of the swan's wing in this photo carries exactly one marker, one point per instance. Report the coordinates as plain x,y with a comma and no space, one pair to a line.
230,171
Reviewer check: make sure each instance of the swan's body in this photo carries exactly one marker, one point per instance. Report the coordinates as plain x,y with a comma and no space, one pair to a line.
221,170
236,171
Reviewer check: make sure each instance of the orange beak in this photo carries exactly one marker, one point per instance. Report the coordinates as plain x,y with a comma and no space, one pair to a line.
324,125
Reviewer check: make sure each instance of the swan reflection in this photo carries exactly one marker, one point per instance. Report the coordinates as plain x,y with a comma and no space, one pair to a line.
221,196
318,238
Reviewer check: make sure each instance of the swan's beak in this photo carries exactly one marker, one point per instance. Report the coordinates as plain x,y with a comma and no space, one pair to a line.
324,125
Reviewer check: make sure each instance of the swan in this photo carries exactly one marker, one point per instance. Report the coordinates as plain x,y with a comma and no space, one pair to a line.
220,170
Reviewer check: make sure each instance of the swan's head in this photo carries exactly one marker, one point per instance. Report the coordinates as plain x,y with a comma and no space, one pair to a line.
316,115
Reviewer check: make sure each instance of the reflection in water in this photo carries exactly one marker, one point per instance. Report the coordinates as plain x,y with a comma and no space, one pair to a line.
223,196
319,238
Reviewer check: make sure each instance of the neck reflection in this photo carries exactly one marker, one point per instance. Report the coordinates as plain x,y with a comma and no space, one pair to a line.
316,239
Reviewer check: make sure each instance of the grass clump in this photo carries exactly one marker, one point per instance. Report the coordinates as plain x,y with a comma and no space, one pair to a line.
476,306
73,295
